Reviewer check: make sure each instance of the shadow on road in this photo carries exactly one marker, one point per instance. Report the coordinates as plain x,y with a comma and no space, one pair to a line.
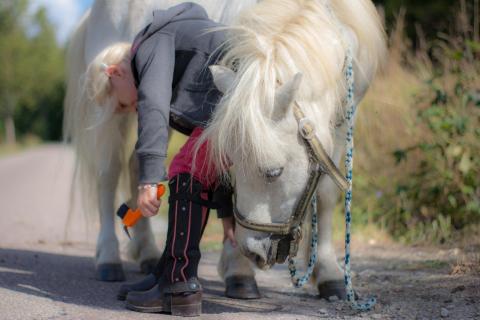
59,277
70,279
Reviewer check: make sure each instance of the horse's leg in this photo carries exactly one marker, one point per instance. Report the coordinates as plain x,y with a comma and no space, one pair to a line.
107,257
142,247
328,273
237,272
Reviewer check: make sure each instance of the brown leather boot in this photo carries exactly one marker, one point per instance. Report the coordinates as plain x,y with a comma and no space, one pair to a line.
184,298
179,299
147,301
145,284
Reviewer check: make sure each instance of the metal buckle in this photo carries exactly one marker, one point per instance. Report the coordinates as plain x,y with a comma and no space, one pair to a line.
306,134
295,242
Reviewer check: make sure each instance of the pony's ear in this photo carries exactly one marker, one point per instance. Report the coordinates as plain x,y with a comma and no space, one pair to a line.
223,77
284,97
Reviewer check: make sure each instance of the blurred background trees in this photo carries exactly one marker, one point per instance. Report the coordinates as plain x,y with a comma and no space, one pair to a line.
31,74
32,62
427,16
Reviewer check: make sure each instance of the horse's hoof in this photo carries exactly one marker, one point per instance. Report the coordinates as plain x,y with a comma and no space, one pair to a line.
242,287
148,266
333,288
110,272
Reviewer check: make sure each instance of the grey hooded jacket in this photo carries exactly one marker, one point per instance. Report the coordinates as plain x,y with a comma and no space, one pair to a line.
170,60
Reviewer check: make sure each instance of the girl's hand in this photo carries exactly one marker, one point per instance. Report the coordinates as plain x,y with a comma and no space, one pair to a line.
229,230
147,202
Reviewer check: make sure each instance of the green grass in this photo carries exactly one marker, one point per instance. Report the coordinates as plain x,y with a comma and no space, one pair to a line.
22,145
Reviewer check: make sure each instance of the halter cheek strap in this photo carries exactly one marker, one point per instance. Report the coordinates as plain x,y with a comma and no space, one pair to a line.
307,130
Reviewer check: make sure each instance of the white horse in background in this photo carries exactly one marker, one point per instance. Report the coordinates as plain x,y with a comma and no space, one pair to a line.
100,141
289,54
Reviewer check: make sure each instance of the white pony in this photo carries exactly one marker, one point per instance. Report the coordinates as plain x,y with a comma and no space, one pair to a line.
289,53
100,140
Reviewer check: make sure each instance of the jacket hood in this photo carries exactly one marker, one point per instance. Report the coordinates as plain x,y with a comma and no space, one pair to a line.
183,11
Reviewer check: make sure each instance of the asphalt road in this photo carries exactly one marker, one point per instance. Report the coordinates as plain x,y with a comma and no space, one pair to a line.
46,265
47,273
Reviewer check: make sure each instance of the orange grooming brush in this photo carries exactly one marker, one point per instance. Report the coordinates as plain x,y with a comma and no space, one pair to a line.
130,217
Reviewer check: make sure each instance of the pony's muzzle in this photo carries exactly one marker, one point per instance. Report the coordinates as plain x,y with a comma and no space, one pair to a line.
257,250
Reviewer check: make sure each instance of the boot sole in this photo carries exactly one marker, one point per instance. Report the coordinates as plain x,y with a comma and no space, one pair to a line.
132,307
176,306
192,310
182,305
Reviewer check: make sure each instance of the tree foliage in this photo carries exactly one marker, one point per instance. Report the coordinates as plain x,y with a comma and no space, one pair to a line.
428,16
32,63
31,71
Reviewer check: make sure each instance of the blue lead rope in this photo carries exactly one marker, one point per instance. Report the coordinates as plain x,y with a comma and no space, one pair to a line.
300,281
351,109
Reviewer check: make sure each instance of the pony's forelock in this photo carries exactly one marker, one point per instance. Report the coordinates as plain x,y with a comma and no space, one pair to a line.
267,46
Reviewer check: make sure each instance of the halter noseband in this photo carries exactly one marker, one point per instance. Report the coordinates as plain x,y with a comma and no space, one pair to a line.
286,236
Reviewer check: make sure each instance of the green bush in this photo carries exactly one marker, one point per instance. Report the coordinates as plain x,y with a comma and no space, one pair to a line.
432,16
441,194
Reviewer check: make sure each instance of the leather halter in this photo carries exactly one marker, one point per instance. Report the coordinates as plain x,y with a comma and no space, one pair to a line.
286,236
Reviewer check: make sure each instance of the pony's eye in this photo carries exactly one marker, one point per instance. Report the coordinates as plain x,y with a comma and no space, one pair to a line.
272,174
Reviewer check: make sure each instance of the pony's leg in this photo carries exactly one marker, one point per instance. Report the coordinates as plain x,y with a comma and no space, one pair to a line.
237,272
328,273
107,257
142,247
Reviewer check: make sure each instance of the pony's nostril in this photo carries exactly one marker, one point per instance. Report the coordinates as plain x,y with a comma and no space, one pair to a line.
260,261
255,250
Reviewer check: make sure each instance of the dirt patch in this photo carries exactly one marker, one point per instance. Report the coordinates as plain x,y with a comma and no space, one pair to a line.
418,282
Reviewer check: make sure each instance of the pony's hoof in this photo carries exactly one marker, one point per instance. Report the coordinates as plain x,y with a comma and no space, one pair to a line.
148,266
333,288
242,287
110,272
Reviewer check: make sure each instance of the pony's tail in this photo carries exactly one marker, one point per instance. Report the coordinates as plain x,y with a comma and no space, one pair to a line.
75,65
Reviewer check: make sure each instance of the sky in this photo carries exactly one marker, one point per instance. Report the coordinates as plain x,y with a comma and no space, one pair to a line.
64,14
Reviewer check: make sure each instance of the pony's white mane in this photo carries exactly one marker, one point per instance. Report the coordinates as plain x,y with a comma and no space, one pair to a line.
268,45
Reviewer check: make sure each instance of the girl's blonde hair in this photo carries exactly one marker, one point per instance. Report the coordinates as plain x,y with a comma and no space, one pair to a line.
97,85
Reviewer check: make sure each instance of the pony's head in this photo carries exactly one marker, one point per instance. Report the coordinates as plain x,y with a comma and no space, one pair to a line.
281,52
